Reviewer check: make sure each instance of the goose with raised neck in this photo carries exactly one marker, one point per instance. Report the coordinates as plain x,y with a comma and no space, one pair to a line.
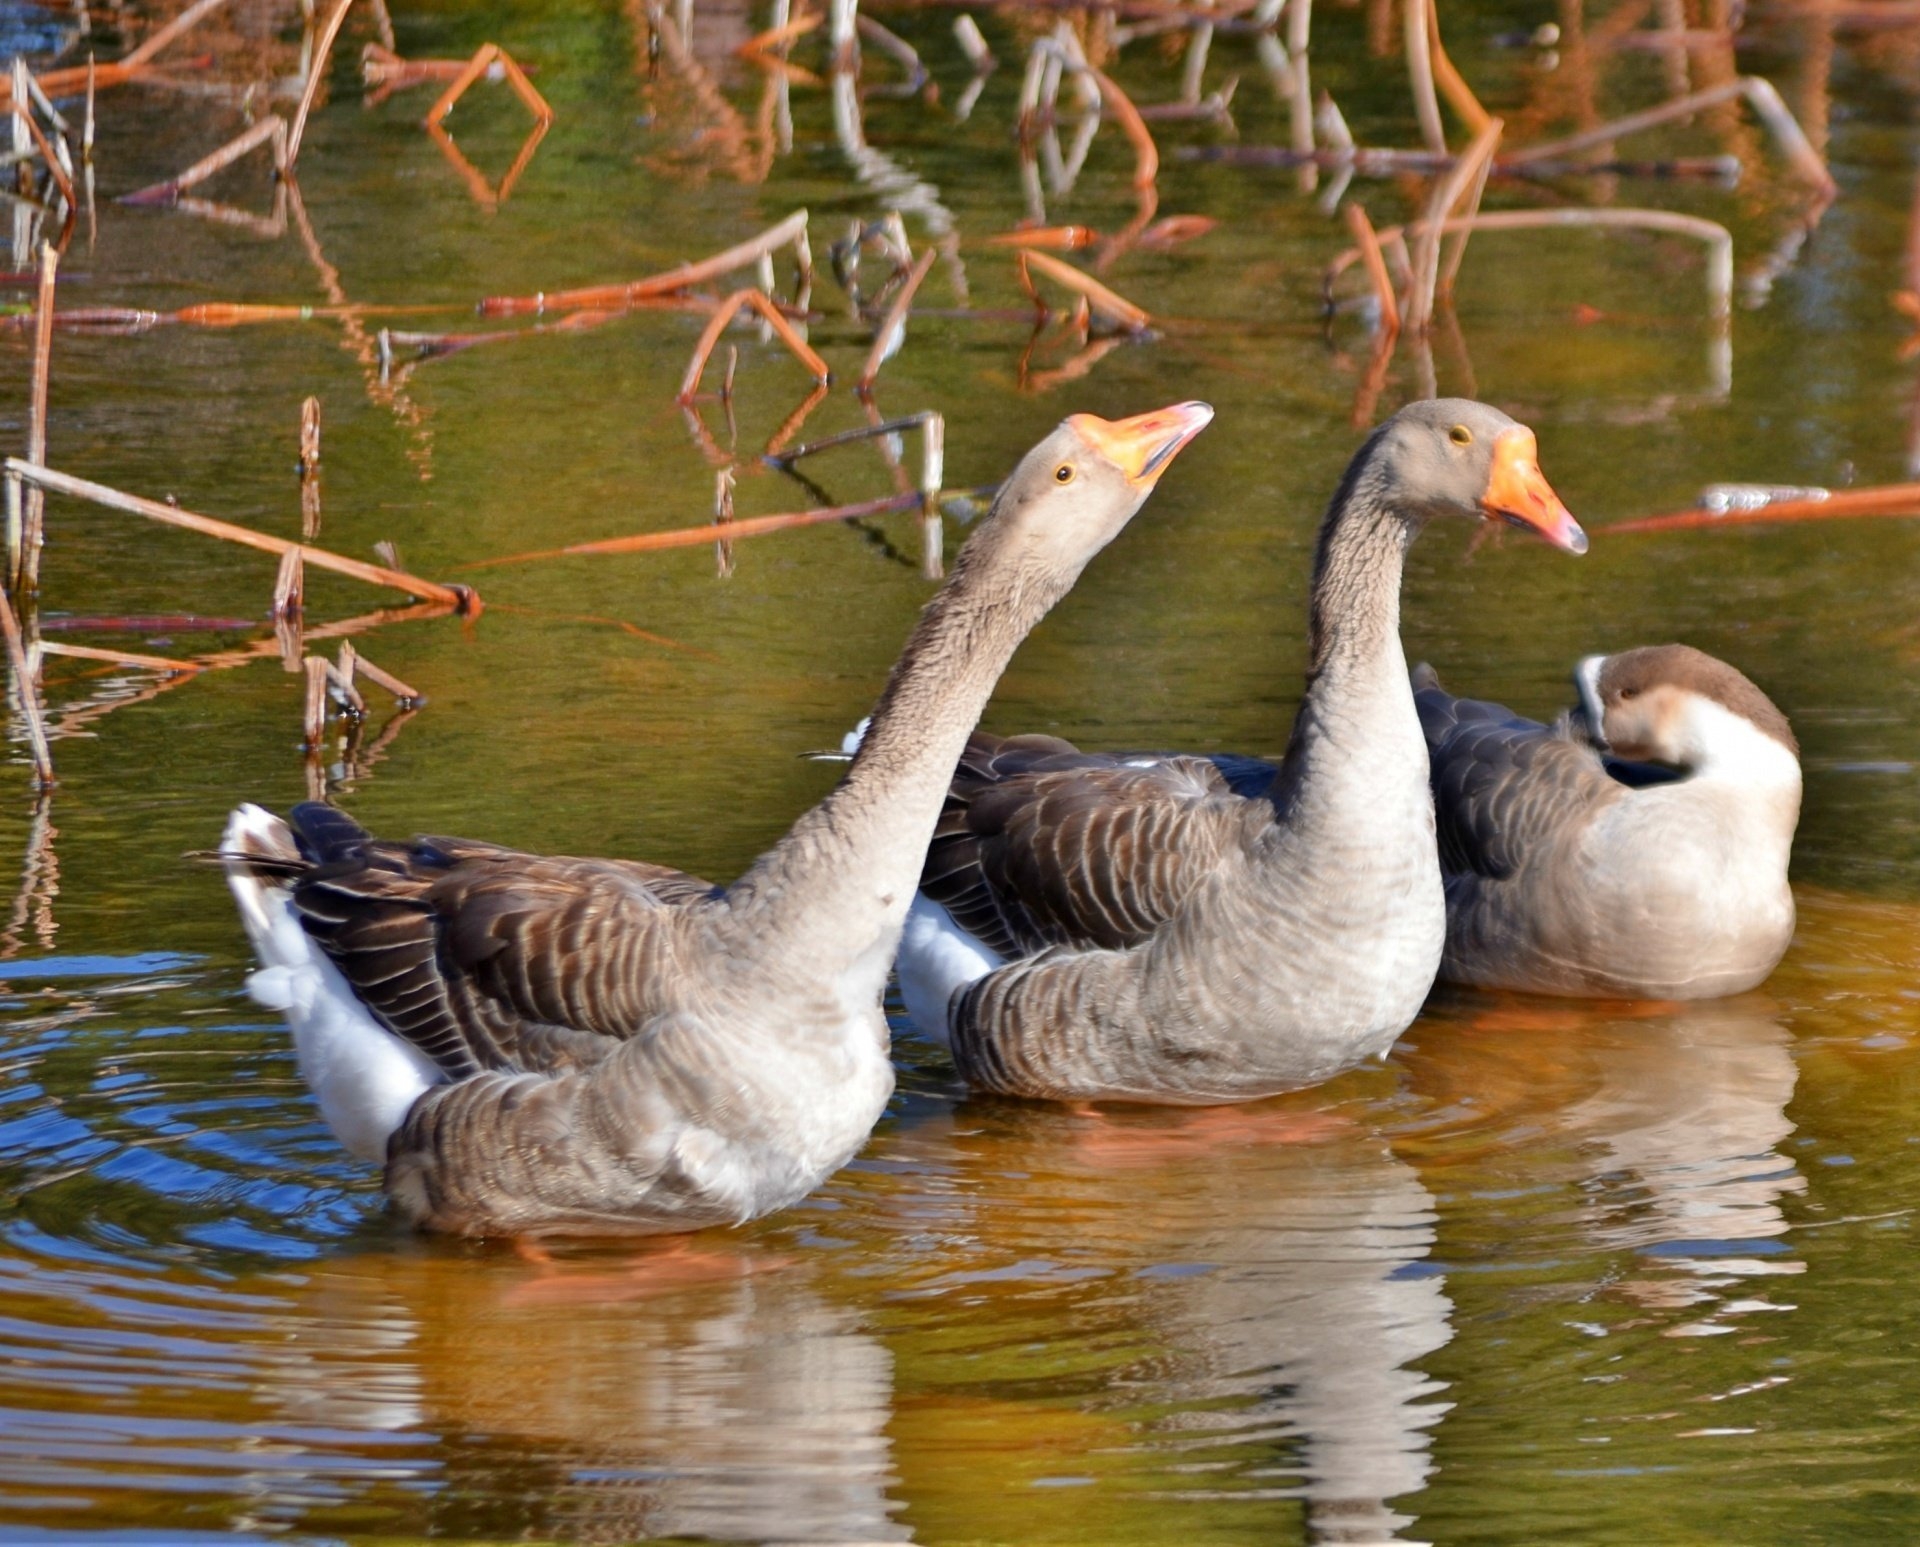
1167,928
536,1044
1637,848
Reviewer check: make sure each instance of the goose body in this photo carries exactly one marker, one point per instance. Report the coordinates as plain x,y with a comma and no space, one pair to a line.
1571,871
545,1044
1192,929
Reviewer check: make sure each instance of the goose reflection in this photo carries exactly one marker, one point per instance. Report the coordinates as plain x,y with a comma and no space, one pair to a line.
579,1400
1662,1122
1254,1278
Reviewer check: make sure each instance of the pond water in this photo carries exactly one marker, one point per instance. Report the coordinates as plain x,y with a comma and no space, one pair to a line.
1606,1273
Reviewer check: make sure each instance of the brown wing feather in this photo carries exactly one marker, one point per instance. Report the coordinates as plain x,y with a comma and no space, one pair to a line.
1500,781
484,957
1041,844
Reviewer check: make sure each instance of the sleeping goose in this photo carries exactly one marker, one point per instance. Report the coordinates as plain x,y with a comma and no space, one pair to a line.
1194,929
1571,871
553,1045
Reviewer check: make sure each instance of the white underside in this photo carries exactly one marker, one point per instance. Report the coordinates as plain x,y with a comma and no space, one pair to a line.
365,1078
937,958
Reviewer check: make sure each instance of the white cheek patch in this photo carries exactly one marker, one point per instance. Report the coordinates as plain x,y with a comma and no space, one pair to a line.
1586,677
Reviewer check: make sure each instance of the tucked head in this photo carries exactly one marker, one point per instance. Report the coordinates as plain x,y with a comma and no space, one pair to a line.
1074,491
1453,456
1675,704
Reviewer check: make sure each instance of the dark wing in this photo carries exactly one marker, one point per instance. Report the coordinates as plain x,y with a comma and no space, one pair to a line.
1500,781
484,957
1041,844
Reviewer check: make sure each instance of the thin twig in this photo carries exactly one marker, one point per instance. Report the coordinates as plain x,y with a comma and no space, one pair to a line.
29,695
893,329
1370,255
1116,308
273,127
724,314
693,536
459,598
34,521
790,232
316,78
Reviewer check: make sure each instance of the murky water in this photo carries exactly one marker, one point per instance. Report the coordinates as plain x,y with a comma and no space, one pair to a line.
1608,1273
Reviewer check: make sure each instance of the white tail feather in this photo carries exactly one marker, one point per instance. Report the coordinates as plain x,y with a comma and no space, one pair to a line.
936,959
363,1076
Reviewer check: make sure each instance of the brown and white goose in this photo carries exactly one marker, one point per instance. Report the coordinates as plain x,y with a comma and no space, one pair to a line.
1573,868
557,1045
1193,929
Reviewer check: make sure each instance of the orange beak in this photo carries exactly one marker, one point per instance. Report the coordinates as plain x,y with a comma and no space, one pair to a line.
1519,492
1141,447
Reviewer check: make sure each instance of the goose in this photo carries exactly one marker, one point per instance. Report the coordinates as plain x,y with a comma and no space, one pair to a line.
1572,867
1165,928
539,1045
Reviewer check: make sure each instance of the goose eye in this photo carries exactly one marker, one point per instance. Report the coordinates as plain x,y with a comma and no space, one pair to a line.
1460,435
1629,692
1063,473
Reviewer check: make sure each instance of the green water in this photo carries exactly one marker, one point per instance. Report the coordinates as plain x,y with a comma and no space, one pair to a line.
1597,1274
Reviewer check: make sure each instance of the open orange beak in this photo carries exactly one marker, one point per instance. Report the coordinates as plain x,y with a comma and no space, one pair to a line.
1141,447
1518,491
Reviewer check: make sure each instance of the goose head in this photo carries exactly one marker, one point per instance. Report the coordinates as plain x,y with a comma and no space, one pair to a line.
1677,705
1453,456
1072,493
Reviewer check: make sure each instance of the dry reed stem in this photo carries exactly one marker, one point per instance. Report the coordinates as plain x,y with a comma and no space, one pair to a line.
1057,238
316,77
273,127
191,17
122,658
789,232
763,44
289,585
23,679
1452,84
516,78
340,686
1760,96
1116,308
1448,194
409,697
896,47
1376,264
1426,104
694,536
1894,499
314,721
1146,155
49,155
892,332
33,525
1716,238
459,598
309,437
775,319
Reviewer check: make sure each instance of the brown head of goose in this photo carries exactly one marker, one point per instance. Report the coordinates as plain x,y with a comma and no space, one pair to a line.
548,1044
1638,848
1193,929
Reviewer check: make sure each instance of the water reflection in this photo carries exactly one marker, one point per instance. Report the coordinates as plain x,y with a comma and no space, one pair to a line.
740,1405
1254,1278
1663,1122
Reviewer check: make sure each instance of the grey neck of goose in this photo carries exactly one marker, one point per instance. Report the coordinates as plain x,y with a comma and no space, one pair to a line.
1356,724
832,896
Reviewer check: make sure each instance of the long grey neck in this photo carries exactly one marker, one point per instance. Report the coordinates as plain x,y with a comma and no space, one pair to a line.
832,895
1358,709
